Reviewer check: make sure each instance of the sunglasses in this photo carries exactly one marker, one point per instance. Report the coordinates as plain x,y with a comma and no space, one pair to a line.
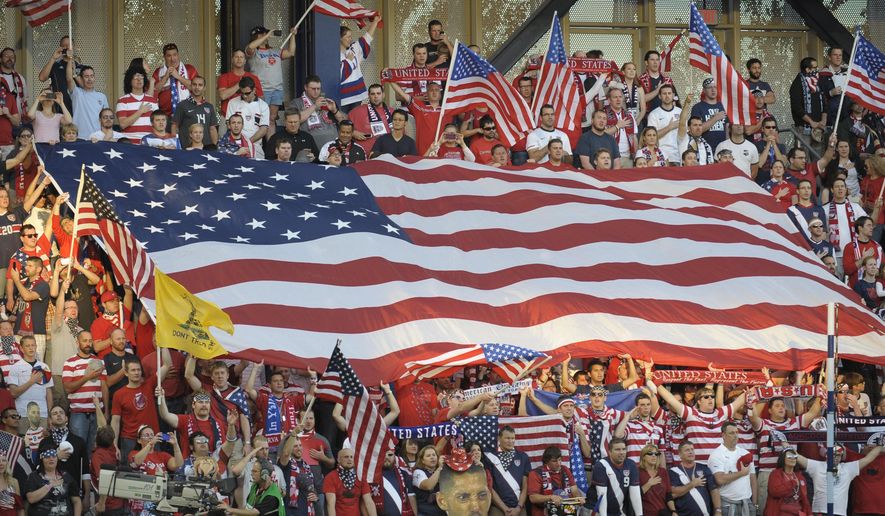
489,128
770,127
201,440
656,454
817,225
707,397
30,235
13,416
598,395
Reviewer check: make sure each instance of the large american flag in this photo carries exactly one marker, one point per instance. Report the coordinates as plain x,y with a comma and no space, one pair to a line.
368,434
533,433
95,216
407,259
38,12
473,82
866,82
556,83
508,361
705,54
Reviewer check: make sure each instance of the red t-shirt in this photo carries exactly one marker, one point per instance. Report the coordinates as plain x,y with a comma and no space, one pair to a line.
482,149
164,96
188,424
311,442
417,402
869,191
345,506
174,385
867,493
534,486
101,329
362,122
426,120
226,80
7,100
136,406
155,462
810,173
104,456
786,199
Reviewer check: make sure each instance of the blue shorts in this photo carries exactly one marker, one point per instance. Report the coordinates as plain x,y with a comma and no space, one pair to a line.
273,97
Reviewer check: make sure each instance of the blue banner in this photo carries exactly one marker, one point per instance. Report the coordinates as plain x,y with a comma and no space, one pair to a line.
424,432
621,400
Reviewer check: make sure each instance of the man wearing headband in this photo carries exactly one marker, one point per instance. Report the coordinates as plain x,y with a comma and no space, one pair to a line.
712,113
845,473
199,420
575,427
463,490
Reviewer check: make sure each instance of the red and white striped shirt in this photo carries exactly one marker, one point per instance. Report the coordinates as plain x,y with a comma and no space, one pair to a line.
641,433
705,430
127,105
610,418
81,399
769,450
7,361
747,438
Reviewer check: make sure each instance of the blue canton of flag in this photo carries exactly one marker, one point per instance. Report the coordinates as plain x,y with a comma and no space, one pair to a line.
238,398
469,64
502,352
211,196
699,27
576,463
556,51
482,429
866,82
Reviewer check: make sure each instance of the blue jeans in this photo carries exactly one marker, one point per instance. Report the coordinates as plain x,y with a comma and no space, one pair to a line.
84,426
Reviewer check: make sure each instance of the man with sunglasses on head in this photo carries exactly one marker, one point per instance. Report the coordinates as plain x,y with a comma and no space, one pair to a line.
255,113
703,421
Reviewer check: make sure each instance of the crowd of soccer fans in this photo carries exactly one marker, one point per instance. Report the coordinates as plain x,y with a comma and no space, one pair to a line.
79,365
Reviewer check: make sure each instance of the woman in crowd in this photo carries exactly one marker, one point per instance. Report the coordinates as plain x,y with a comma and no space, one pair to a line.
149,461
787,488
409,453
655,483
425,479
22,163
47,121
783,191
49,490
10,493
633,91
650,151
451,145
845,160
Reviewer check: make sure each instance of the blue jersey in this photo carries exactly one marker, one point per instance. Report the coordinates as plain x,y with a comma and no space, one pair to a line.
518,470
627,475
690,503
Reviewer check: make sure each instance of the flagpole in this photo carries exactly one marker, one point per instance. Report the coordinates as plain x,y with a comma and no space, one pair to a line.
848,74
546,56
832,318
76,215
71,26
298,24
442,105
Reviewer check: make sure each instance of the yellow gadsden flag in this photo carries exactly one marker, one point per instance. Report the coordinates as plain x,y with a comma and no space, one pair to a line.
183,319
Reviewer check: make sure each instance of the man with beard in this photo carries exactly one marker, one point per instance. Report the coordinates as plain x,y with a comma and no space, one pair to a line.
394,496
754,79
199,420
83,377
300,494
72,452
134,405
345,493
371,120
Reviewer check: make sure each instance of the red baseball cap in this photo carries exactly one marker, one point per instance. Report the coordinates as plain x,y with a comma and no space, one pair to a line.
108,296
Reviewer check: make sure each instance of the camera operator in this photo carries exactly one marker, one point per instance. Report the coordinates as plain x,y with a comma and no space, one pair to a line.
265,498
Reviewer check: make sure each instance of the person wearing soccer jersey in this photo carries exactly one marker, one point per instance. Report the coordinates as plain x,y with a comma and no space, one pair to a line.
703,422
83,377
510,469
549,484
640,427
769,443
694,487
733,468
612,476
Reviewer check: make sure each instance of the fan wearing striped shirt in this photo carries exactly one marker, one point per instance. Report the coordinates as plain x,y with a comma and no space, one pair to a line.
703,423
